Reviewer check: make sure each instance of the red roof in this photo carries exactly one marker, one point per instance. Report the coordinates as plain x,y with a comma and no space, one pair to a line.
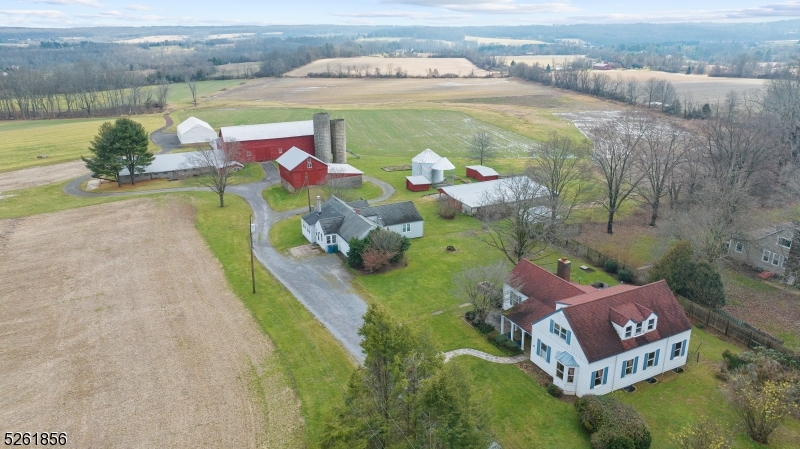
537,283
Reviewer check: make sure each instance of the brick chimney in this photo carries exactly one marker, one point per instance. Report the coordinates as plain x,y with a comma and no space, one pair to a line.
563,268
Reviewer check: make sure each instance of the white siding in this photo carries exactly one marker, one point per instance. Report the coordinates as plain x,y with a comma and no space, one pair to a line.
507,296
308,231
416,229
541,332
344,247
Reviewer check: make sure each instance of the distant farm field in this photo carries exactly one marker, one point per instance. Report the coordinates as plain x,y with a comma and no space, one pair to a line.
503,41
700,88
59,140
411,66
542,60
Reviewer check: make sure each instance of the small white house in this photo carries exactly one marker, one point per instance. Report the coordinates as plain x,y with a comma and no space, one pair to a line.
333,223
194,130
594,341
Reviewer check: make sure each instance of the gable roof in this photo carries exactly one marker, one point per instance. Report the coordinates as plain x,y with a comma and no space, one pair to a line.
537,283
337,217
590,321
180,161
393,213
294,157
485,193
418,180
483,170
343,169
263,131
190,123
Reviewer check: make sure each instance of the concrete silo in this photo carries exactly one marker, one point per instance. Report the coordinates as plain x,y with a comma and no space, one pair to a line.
322,137
338,141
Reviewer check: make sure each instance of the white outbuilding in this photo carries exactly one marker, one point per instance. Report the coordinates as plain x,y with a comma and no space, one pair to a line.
194,130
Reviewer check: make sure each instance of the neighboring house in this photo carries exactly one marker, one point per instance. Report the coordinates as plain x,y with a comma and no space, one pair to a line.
481,173
194,130
767,249
594,341
299,169
268,141
174,166
333,223
470,198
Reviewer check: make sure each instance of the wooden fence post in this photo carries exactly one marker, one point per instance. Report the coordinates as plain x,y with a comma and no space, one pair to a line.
708,318
750,340
727,324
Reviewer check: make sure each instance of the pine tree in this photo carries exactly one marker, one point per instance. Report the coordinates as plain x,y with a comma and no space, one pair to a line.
119,145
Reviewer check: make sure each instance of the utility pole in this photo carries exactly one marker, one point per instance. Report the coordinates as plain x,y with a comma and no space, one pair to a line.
252,266
308,191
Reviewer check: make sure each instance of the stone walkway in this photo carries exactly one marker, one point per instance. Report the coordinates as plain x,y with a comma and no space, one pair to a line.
482,355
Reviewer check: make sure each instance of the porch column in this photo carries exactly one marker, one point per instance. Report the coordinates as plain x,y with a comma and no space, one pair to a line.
502,321
522,342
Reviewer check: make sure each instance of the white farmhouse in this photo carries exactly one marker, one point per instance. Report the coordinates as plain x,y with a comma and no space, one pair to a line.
333,223
194,130
594,341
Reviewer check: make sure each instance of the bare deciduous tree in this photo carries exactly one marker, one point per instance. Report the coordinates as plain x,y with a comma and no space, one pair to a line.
336,184
482,147
192,84
516,222
661,151
483,288
217,165
616,143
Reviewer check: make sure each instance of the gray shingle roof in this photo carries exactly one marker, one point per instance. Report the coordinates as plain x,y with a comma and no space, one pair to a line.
338,217
394,213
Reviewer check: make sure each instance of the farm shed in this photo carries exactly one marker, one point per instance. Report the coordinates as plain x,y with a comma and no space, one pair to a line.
269,141
470,198
417,183
173,166
345,175
300,169
481,173
194,130
602,66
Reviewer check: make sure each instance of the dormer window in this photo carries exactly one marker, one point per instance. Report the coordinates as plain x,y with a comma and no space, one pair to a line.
628,331
651,324
638,328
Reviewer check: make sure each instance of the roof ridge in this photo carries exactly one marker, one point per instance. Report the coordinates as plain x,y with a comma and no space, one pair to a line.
560,279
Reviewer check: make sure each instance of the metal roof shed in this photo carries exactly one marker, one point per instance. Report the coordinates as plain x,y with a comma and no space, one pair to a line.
194,130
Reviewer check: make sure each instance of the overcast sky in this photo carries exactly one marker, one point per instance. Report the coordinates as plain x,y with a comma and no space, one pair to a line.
66,13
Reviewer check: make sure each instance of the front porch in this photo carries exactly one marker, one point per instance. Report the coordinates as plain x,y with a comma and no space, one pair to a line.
517,334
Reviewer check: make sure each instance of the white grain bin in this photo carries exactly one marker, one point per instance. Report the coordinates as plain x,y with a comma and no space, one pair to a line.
194,130
422,164
438,169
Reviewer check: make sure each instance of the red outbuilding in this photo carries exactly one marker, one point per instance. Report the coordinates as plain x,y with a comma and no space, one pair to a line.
417,183
481,173
269,141
300,169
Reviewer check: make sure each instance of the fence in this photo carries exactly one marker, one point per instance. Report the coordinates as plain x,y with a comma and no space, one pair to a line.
732,327
597,258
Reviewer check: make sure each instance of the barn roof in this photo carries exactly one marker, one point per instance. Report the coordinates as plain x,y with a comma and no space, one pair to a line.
393,213
479,194
178,161
483,170
426,157
294,157
343,169
263,131
190,123
418,180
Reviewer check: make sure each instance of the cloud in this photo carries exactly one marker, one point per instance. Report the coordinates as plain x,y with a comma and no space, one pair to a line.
47,13
398,14
778,10
92,3
135,7
491,6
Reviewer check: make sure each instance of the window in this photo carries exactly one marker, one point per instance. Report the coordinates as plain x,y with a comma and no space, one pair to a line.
627,367
650,359
557,329
784,242
331,239
516,298
739,247
559,370
628,331
543,350
776,259
308,164
651,324
598,377
280,150
638,328
248,153
570,375
406,227
677,349
765,256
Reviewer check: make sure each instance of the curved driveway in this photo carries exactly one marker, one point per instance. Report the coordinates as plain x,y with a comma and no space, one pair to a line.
319,282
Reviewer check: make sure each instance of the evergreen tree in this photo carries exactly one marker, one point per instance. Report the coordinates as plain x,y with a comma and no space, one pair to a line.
118,145
697,281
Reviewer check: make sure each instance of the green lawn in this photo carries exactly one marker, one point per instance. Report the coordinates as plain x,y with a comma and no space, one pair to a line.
252,172
60,140
279,199
42,199
286,234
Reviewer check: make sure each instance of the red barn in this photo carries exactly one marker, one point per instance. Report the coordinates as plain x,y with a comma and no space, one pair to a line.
417,183
300,169
481,173
269,141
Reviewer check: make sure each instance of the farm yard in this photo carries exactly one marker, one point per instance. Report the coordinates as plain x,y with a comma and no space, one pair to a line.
388,122
388,66
132,346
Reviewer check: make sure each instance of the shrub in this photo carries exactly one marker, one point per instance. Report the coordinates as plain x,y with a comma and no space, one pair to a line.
761,407
703,434
484,328
610,266
501,339
554,390
354,255
612,423
732,361
697,281
470,315
445,208
375,258
625,276
492,335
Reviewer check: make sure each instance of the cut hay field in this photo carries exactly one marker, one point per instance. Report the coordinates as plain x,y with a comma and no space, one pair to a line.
411,66
60,140
117,351
179,95
700,88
